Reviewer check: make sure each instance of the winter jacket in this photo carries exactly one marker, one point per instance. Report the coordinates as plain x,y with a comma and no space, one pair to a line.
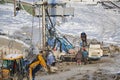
50,59
85,54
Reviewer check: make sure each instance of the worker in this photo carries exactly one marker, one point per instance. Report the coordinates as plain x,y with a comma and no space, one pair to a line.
84,39
81,44
85,55
50,58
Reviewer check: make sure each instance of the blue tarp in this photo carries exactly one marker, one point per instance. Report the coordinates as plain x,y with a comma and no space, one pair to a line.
51,42
65,45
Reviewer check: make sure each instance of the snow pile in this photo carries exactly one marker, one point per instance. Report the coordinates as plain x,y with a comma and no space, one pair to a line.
10,23
19,41
97,22
13,56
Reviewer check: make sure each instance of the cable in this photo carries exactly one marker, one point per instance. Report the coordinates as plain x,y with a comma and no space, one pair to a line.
32,29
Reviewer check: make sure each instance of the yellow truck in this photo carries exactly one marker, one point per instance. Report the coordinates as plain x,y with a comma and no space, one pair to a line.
14,67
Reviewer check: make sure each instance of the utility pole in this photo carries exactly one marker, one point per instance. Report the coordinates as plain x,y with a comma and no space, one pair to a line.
43,26
14,7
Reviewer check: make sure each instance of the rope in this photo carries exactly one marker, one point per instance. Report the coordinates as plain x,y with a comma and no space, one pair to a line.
32,25
32,29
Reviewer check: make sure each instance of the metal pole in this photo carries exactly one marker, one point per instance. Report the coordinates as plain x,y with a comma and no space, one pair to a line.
43,27
39,43
14,7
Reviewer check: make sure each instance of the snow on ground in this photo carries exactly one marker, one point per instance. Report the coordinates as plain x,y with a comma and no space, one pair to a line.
9,23
97,22
94,20
13,56
19,41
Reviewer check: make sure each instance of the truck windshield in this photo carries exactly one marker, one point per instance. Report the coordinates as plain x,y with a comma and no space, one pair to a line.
7,63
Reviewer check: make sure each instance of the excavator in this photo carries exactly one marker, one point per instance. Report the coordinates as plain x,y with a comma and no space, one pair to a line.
53,39
39,60
57,41
12,66
15,67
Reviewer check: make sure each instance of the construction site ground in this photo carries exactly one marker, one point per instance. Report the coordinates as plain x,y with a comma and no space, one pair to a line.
107,68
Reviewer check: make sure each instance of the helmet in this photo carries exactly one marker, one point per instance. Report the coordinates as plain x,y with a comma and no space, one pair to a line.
83,33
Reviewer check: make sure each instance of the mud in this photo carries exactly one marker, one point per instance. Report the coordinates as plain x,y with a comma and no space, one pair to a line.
108,68
105,69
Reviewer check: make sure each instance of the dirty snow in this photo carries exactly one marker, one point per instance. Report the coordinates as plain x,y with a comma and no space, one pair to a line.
13,56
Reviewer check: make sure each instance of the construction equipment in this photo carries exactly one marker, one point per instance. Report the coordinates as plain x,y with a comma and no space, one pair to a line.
38,61
106,51
14,67
60,42
50,34
95,51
